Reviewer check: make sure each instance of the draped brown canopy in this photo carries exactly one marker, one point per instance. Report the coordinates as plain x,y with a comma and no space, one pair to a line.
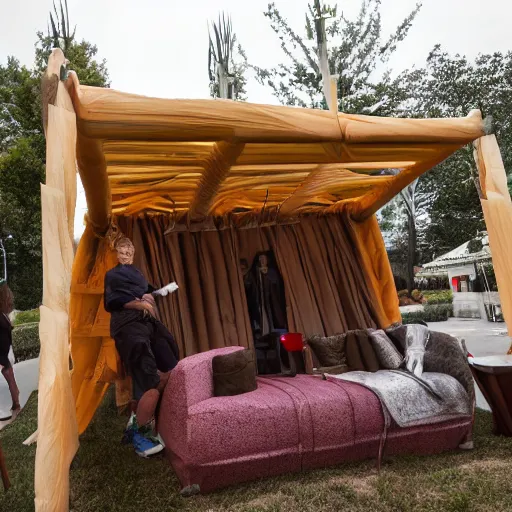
199,184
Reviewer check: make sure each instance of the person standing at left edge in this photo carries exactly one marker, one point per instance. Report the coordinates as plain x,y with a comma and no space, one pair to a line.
6,307
147,349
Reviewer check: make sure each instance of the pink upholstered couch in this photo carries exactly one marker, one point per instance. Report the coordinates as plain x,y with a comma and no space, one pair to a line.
287,424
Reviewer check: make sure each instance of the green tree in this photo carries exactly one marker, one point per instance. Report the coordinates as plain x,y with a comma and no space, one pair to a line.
21,172
451,86
357,48
22,153
20,112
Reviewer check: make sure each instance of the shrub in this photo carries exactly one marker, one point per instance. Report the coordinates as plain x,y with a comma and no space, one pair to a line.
416,295
436,313
25,341
438,297
27,317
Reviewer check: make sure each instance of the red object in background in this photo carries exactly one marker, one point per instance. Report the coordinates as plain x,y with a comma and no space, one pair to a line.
455,284
292,341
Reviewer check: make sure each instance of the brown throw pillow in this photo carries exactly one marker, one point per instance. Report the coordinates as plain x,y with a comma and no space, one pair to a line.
387,354
360,352
330,350
234,374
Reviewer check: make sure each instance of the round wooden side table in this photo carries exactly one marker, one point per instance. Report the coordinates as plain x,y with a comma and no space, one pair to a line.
493,375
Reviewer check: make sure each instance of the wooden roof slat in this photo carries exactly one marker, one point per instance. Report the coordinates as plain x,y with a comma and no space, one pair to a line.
128,170
135,198
374,200
325,179
237,183
222,156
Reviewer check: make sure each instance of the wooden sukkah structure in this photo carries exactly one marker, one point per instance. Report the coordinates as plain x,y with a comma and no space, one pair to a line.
196,183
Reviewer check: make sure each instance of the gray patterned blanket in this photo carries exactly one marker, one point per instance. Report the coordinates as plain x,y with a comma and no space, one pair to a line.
411,400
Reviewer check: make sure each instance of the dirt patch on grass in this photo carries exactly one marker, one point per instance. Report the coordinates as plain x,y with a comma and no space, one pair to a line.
487,465
265,502
362,485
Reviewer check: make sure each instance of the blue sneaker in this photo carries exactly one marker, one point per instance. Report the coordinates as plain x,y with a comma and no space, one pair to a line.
144,446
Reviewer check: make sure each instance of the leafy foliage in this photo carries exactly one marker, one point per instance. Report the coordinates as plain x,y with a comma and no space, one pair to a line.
451,86
430,313
438,296
21,172
357,47
20,110
25,341
27,317
22,152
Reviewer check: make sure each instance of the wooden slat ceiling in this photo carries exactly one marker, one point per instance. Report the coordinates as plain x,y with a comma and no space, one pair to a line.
200,158
164,177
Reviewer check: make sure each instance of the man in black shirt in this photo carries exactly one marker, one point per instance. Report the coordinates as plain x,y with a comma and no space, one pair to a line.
147,349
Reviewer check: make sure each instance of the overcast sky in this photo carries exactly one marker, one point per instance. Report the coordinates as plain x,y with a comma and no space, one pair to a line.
159,47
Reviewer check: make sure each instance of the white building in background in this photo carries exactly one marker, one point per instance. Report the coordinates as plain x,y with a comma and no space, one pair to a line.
472,294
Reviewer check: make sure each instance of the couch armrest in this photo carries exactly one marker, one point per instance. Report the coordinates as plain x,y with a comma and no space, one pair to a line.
191,381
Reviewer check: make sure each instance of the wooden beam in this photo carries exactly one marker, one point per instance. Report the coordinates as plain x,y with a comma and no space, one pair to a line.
110,114
383,130
93,173
57,438
222,157
322,180
497,208
372,202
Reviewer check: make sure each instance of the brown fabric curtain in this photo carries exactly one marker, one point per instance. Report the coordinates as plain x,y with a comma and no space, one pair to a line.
327,287
209,310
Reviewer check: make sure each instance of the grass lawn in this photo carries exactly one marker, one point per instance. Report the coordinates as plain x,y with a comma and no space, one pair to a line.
107,476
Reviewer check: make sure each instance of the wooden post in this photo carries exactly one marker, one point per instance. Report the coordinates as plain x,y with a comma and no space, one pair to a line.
57,439
497,208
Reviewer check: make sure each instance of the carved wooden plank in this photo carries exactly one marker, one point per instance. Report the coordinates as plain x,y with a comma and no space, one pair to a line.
376,199
497,208
223,156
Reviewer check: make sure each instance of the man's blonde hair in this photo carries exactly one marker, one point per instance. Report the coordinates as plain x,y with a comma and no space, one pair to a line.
124,242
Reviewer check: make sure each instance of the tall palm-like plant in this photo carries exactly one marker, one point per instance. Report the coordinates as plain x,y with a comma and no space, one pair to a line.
60,33
226,75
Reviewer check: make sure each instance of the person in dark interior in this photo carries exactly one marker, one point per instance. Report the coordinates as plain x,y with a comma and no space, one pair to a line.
267,310
251,294
271,299
147,349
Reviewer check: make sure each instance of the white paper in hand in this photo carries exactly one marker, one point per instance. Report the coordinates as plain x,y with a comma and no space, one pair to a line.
163,292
